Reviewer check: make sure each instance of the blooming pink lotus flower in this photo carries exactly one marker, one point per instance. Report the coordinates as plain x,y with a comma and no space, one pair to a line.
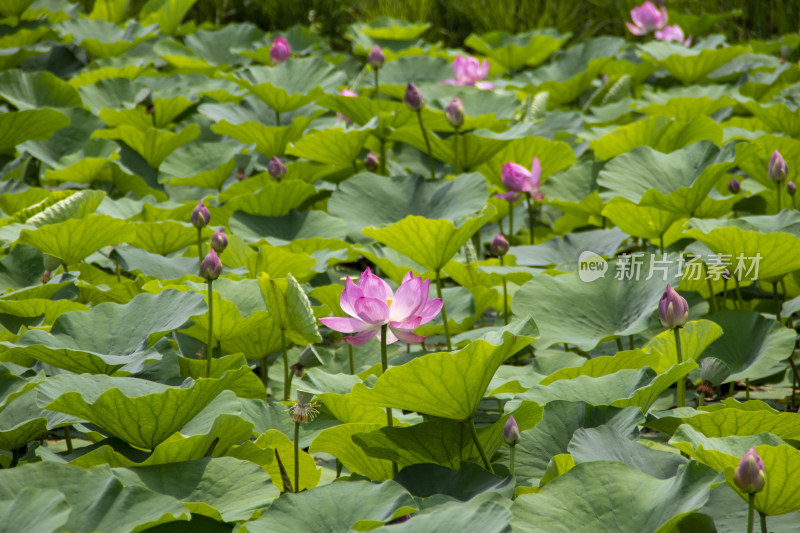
647,18
520,180
469,71
673,33
279,51
371,304
346,92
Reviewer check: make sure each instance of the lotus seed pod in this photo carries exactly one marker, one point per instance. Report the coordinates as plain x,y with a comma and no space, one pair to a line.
211,266
200,216
749,475
673,309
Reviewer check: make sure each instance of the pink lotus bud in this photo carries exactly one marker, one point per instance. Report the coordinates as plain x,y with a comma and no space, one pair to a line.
211,266
200,216
371,162
749,475
219,241
279,51
455,113
511,431
499,245
414,99
673,33
734,186
375,58
673,309
647,18
276,168
790,187
777,167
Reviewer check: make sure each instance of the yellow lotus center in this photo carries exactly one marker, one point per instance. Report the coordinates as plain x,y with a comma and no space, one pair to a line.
389,301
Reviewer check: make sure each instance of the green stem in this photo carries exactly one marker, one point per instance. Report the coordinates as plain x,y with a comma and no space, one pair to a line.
750,506
210,345
286,383
510,222
763,518
630,342
384,366
375,94
661,243
15,457
383,157
795,378
350,354
478,444
505,296
780,186
712,301
444,311
199,249
296,457
455,151
783,296
262,363
68,438
278,118
338,468
531,220
681,393
427,144
619,344
511,460
740,303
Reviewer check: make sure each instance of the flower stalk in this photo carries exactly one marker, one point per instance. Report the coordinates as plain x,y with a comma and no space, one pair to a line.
444,311
384,367
210,345
681,392
478,445
427,144
286,383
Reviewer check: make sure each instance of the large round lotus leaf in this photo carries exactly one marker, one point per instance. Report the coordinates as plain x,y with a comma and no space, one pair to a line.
367,200
473,150
751,346
97,500
340,506
728,512
295,225
584,313
31,90
338,441
269,140
30,125
514,51
735,419
333,146
222,488
605,496
34,509
425,480
687,64
564,252
153,145
206,44
110,336
487,513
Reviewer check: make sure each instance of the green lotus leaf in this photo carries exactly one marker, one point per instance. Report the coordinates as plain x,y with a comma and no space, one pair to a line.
753,157
84,171
32,124
205,165
487,512
605,443
23,420
574,71
678,182
338,441
277,199
284,448
464,484
110,336
97,500
357,505
228,323
641,221
659,132
14,384
514,51
290,309
567,309
168,14
689,65
295,225
445,384
752,346
73,144
609,364
345,409
272,260
165,237
163,113
31,90
269,140
431,243
565,251
153,145
553,156
136,260
38,307
364,201
102,38
473,150
15,8
610,494
333,146
687,107
696,337
731,421
726,509
110,10
34,509
560,420
206,44
77,238
142,413
222,488
226,431
77,205
753,255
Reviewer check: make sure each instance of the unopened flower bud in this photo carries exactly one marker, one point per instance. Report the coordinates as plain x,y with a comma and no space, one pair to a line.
777,167
371,162
673,309
200,216
511,431
414,99
276,168
279,51
749,475
47,276
211,266
241,174
790,187
375,58
499,245
219,241
454,112
734,186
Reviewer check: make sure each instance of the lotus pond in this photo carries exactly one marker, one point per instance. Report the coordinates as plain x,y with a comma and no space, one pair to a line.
253,283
